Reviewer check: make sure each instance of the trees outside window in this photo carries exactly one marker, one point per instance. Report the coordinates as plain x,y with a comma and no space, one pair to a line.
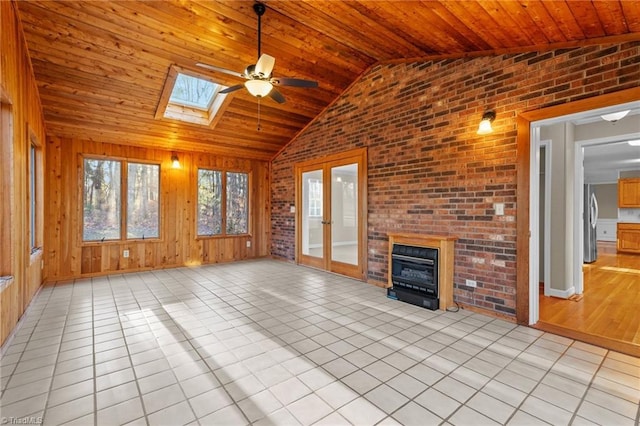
223,205
237,199
104,191
143,220
209,202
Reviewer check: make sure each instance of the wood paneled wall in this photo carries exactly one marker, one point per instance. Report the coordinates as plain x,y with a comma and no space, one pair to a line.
67,256
21,120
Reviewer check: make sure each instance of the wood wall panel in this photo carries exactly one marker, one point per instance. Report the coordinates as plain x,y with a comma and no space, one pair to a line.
68,257
21,119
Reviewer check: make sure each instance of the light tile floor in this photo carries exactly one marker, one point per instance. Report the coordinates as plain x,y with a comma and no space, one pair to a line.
270,343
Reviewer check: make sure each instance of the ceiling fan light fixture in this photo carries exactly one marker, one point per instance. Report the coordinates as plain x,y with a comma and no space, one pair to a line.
615,116
258,88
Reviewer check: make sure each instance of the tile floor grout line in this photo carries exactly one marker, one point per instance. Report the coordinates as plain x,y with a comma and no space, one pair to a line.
53,373
235,403
19,326
135,377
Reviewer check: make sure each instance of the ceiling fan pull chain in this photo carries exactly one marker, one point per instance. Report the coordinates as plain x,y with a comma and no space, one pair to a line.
258,114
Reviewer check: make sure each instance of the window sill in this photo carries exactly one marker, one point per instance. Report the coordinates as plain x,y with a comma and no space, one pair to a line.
215,237
36,255
120,242
5,282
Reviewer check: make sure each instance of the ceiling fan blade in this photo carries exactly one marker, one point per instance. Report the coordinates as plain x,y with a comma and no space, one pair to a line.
295,82
265,64
231,89
218,69
276,96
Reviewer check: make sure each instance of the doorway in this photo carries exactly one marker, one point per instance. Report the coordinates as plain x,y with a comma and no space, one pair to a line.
331,213
569,312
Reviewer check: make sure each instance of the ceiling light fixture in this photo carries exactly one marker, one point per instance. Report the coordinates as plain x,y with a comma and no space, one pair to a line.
175,161
485,125
258,88
635,142
614,116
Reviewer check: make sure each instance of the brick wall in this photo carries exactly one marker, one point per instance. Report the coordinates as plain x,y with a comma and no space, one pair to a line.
428,170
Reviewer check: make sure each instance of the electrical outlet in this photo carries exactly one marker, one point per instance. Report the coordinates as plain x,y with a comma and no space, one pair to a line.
499,208
292,209
471,283
248,243
125,253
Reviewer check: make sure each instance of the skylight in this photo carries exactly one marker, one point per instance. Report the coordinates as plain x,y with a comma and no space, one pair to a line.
191,97
193,92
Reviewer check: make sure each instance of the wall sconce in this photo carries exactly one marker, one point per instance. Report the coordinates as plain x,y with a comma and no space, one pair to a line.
175,162
485,124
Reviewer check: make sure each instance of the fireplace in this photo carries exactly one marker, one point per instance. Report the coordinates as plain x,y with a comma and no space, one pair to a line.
414,275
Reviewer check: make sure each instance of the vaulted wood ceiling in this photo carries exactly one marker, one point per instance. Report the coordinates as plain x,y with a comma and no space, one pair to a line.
101,65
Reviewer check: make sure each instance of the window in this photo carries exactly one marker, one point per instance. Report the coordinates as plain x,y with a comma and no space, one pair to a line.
104,195
142,201
209,202
315,198
237,208
223,201
193,92
34,171
190,97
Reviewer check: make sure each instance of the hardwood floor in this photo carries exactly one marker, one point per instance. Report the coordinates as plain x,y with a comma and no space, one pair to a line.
608,314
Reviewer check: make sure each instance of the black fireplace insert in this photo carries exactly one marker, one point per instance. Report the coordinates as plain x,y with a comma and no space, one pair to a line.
414,275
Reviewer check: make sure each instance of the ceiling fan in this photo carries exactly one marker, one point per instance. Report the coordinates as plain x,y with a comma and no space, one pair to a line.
260,82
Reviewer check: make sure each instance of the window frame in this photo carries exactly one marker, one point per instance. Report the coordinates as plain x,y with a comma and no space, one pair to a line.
35,194
124,176
223,202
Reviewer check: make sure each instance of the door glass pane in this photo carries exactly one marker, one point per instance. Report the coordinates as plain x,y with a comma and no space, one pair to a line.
344,214
312,227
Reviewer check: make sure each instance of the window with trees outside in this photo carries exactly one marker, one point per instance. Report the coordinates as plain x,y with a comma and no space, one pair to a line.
112,187
223,205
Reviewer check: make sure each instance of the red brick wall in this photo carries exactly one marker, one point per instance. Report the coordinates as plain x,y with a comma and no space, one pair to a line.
428,170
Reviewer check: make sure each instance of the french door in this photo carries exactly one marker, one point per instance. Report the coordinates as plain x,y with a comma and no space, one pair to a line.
331,213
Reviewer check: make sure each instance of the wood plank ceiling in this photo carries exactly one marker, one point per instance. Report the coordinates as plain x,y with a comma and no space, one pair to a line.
101,65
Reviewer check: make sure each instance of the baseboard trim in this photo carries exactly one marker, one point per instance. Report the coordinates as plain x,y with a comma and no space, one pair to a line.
562,294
